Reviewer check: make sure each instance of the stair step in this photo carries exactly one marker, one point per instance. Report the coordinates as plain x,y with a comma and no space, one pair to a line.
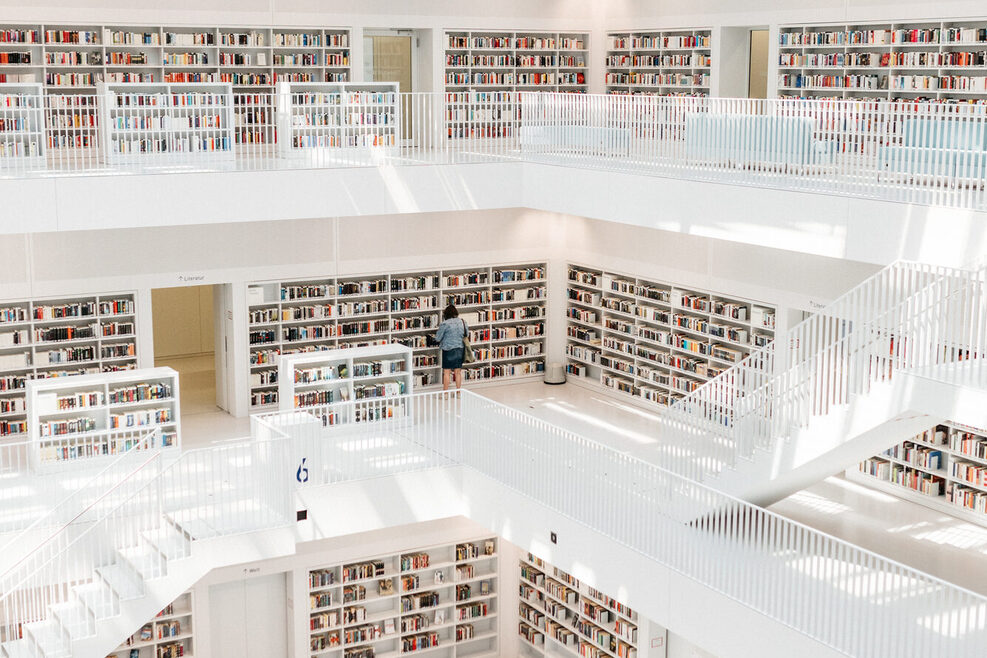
75,617
20,649
169,540
146,559
49,636
122,579
99,598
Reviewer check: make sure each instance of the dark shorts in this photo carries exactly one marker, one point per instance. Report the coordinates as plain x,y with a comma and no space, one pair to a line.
452,359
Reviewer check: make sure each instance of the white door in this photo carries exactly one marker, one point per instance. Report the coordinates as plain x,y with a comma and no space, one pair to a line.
249,618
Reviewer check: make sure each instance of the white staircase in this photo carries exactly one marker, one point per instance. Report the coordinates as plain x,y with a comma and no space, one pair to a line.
91,583
882,363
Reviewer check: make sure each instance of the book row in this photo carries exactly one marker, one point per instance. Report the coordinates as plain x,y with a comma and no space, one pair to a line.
883,37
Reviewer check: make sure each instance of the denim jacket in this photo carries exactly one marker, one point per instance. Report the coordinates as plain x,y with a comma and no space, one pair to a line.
450,334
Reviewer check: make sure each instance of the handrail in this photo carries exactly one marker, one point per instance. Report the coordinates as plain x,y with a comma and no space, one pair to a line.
931,153
145,499
78,497
909,311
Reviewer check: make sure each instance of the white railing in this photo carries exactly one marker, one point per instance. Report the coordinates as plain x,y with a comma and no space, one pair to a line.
845,597
907,317
81,489
913,152
841,595
929,153
15,459
215,492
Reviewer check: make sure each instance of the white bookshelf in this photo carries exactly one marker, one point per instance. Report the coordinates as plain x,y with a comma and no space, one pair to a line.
442,600
170,634
944,468
142,122
58,337
362,374
560,615
666,62
86,416
921,60
486,68
652,340
314,117
22,124
76,57
507,320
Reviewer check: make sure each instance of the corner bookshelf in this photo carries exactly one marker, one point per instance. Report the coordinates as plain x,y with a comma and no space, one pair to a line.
22,125
45,338
489,67
504,306
656,341
169,635
142,122
87,416
371,374
944,468
666,63
442,600
315,117
908,61
559,615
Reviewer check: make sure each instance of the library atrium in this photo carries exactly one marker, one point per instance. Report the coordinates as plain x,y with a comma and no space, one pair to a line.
601,328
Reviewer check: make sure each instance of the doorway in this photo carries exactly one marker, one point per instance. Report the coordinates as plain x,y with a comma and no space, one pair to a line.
389,56
757,72
185,340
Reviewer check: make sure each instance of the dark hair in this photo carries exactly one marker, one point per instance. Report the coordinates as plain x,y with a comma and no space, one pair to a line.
450,312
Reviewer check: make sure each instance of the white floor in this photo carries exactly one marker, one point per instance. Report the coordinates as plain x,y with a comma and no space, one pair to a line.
202,421
917,536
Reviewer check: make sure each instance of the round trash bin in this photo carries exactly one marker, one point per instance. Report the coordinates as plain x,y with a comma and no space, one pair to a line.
554,373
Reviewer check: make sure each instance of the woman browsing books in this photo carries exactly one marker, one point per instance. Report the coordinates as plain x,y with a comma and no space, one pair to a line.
450,337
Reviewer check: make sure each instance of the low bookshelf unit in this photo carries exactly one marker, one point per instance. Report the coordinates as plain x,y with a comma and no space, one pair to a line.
159,122
22,126
656,341
368,376
503,305
319,117
87,416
